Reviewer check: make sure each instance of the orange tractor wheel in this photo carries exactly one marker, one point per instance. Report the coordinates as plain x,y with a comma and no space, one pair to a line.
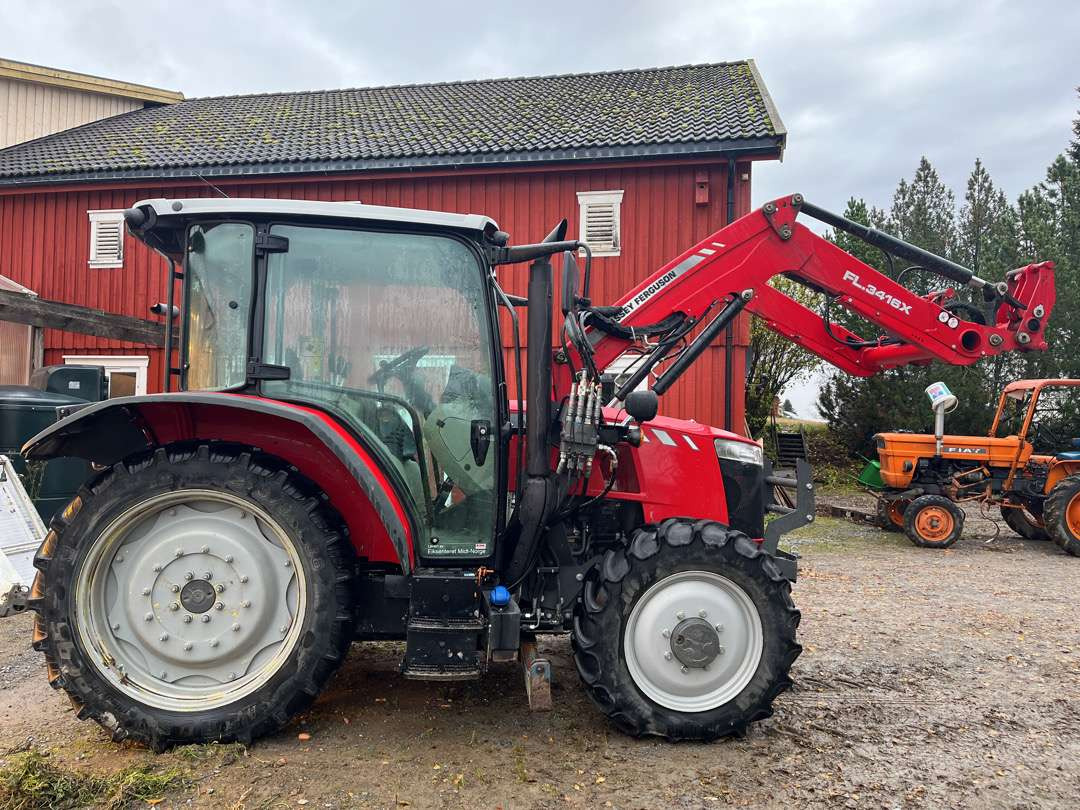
933,521
1062,513
890,514
1025,523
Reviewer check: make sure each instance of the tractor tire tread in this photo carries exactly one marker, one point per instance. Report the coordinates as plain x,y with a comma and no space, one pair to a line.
1055,512
924,501
610,590
318,654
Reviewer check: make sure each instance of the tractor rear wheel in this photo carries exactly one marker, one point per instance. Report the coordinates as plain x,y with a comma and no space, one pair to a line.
1024,523
194,593
1062,513
933,521
890,514
687,633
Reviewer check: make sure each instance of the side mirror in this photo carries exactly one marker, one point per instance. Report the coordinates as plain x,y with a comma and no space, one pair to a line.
569,283
642,405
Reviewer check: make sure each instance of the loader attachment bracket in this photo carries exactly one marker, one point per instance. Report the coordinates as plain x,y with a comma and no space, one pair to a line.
789,518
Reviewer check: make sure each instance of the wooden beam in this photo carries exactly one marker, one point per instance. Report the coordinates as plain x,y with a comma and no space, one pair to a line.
34,311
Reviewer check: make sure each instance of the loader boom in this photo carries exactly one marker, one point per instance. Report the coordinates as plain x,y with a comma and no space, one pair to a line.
748,253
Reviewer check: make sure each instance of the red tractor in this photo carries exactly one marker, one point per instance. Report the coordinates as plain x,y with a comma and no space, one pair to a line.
347,456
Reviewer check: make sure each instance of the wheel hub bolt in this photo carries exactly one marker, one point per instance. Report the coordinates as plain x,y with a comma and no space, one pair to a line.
149,617
157,569
684,670
235,628
680,615
174,606
719,628
721,650
189,576
175,589
665,633
702,613
187,645
205,549
204,618
164,636
208,576
179,552
219,606
213,642
667,656
187,619
228,558
145,591
288,563
246,603
284,628
116,627
219,588
243,579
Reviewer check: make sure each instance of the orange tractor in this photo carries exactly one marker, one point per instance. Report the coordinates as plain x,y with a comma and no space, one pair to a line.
1020,467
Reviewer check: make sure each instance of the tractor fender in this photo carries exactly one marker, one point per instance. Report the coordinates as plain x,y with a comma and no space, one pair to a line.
381,527
1061,467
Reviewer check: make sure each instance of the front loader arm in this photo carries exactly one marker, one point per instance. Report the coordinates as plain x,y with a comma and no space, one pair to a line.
768,242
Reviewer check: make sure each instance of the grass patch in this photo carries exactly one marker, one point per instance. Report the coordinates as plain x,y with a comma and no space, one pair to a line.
31,782
832,534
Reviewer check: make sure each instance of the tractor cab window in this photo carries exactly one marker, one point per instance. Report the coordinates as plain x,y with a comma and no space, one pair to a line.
391,333
218,300
1055,422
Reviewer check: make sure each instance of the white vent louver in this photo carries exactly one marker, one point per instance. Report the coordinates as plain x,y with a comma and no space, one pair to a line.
601,221
106,238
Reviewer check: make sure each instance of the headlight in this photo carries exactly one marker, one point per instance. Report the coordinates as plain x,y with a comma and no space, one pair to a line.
738,451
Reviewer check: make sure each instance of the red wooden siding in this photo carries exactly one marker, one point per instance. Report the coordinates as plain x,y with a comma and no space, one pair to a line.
44,237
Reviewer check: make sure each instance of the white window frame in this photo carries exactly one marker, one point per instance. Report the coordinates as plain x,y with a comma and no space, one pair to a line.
611,197
124,363
97,219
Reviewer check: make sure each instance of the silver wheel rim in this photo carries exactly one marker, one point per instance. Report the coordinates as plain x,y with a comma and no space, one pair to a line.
653,657
190,600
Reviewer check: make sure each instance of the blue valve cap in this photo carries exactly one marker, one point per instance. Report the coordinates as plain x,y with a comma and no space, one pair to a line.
500,596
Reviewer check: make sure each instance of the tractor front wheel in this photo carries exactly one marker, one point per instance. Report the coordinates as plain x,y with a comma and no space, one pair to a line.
1024,523
933,521
688,633
1062,513
191,594
890,513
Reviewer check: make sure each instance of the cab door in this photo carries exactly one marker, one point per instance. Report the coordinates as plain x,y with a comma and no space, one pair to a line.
392,333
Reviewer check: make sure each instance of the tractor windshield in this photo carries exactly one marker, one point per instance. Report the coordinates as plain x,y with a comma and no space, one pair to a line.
392,333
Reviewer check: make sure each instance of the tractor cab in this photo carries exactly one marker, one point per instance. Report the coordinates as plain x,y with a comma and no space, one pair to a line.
386,324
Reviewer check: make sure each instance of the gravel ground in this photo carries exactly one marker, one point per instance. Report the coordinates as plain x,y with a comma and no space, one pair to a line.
928,679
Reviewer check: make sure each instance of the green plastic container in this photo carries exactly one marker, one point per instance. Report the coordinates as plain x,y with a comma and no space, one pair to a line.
871,476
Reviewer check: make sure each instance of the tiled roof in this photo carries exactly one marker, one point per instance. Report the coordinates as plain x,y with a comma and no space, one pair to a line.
633,113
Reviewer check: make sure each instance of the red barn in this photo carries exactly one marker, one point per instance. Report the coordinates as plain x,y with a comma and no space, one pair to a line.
643,163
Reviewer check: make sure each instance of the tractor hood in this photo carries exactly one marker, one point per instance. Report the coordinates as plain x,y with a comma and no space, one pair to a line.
900,453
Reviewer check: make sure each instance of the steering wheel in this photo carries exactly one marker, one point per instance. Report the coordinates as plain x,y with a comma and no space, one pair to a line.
394,367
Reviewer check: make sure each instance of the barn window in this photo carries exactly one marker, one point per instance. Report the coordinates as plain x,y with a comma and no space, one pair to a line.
106,238
601,221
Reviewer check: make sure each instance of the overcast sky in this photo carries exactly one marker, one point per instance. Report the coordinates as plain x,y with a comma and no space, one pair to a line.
864,89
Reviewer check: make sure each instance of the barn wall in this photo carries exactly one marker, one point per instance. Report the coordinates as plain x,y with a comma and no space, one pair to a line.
44,243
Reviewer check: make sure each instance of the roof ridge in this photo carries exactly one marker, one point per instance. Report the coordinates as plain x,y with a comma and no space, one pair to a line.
460,82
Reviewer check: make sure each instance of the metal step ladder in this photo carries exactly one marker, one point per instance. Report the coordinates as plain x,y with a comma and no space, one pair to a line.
444,638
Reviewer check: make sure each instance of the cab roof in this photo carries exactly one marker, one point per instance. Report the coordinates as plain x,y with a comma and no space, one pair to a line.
243,207
1020,386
